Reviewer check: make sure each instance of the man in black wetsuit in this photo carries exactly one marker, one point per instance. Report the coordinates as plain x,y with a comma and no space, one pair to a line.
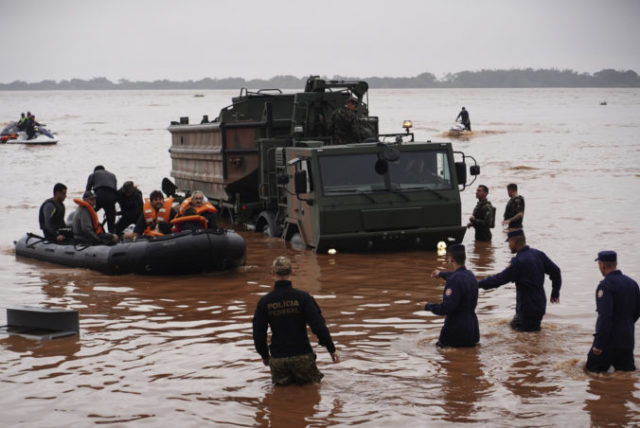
464,118
130,201
51,214
287,311
104,184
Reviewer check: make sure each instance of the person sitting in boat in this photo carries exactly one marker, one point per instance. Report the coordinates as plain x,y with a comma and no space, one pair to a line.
202,207
51,215
189,220
157,213
86,226
129,199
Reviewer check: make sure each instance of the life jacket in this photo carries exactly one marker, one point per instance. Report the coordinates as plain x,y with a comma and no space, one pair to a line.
178,221
97,227
204,208
151,216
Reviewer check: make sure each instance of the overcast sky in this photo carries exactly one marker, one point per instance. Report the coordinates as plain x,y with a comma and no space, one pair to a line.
194,39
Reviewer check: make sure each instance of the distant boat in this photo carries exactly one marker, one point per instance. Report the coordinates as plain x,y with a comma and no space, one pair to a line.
199,95
603,103
12,135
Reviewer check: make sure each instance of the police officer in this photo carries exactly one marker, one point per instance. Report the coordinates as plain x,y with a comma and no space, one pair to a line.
618,306
459,301
51,214
527,269
482,218
287,311
514,211
104,184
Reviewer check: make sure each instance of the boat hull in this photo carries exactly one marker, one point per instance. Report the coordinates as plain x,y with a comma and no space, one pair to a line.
186,252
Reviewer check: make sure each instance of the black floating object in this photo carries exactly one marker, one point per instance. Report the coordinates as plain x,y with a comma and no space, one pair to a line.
42,323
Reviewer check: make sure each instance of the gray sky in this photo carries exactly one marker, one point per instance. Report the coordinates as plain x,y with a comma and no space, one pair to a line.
193,39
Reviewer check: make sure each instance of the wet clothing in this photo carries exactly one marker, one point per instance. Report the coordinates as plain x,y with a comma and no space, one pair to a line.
464,118
527,269
130,208
104,184
300,370
483,220
514,206
618,306
345,127
51,218
459,301
287,311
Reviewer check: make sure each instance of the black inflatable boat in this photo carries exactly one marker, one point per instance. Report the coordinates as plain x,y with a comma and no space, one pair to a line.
185,252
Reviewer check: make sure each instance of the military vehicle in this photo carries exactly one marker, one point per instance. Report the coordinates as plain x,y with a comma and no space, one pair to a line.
269,161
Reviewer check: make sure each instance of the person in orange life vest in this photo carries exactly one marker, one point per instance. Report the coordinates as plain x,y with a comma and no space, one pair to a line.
189,220
156,215
86,226
202,208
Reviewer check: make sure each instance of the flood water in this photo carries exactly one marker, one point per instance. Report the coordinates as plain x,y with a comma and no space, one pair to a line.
163,351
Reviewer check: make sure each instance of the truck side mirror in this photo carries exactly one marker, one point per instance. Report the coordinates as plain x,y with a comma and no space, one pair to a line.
475,169
461,172
300,181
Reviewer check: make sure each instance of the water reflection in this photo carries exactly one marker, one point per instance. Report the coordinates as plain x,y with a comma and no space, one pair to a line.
613,402
464,383
290,406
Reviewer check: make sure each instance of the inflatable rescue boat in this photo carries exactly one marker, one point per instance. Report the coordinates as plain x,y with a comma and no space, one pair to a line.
185,252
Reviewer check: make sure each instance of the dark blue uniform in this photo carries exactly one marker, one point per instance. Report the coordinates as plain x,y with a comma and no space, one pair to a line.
527,270
459,301
618,306
288,311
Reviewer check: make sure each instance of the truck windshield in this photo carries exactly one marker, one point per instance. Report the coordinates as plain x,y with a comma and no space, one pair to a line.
355,173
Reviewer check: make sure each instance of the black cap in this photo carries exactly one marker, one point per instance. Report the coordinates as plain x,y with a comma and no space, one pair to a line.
455,248
606,256
514,233
88,194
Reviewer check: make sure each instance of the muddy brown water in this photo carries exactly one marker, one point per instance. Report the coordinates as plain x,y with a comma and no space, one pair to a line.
161,351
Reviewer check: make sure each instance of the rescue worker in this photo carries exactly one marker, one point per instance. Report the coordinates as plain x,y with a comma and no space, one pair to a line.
129,198
105,186
344,126
464,118
202,208
527,269
21,123
483,215
287,311
459,301
618,306
514,211
86,226
51,214
157,213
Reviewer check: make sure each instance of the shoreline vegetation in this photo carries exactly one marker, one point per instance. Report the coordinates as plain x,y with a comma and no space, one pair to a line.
514,78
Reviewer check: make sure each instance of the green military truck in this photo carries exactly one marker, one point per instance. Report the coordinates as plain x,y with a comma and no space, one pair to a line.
268,162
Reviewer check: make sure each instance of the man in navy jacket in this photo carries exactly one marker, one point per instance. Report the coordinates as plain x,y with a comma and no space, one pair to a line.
527,269
459,301
618,306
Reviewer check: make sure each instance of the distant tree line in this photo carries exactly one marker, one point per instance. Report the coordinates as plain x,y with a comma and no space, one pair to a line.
515,78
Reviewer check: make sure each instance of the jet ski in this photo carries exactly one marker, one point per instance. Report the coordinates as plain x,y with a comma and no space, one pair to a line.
12,135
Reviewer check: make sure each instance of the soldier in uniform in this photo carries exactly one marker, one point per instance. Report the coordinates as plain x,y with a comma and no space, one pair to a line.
459,301
527,269
51,214
287,311
345,128
514,211
618,306
482,218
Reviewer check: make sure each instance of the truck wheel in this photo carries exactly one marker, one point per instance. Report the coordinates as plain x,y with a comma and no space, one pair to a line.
267,223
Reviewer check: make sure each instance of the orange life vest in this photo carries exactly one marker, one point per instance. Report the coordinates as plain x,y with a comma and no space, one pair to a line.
97,227
151,216
206,207
187,218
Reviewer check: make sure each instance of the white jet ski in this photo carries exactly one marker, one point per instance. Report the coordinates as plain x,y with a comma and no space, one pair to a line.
12,135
